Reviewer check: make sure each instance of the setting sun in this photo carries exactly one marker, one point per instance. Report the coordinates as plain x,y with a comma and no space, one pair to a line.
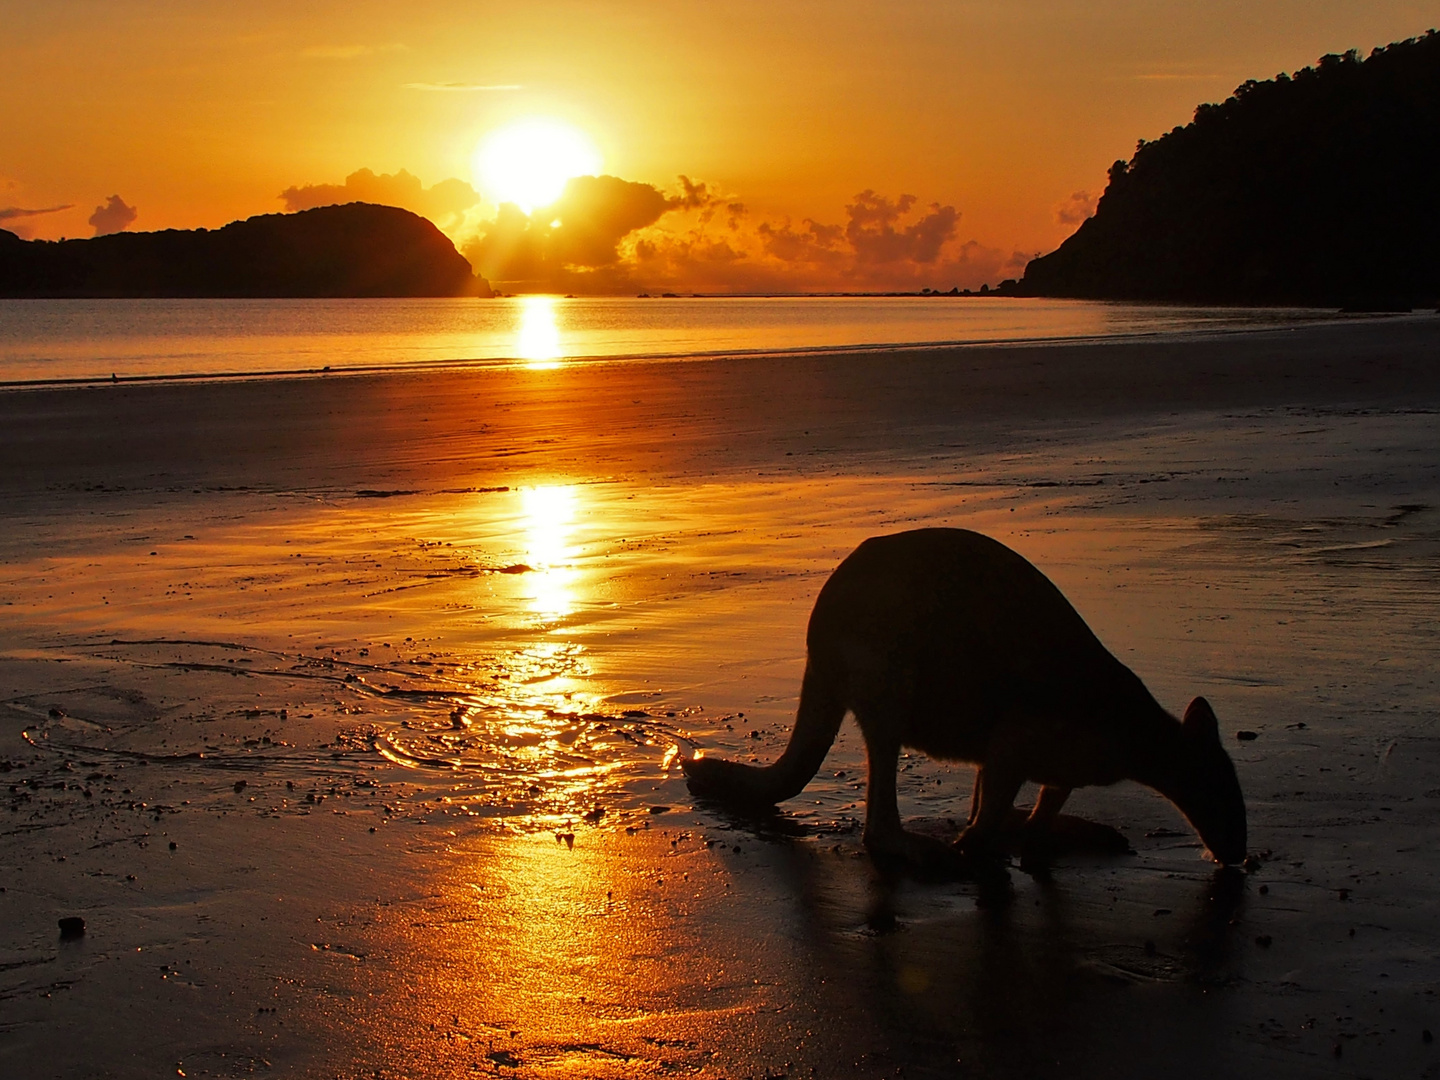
528,162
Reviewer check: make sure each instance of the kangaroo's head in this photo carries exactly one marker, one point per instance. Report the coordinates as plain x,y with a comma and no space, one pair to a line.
1208,791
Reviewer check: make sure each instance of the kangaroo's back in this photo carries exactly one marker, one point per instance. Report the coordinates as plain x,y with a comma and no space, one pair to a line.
951,587
965,631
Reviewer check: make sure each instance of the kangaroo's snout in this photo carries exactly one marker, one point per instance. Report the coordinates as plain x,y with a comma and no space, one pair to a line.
1213,803
1229,846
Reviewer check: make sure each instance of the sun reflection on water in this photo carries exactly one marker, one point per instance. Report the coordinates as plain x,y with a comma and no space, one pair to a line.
520,727
538,340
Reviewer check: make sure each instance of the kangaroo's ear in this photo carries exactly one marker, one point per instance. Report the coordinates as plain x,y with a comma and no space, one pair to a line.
1199,721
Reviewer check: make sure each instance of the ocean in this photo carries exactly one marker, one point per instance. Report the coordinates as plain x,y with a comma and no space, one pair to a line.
82,340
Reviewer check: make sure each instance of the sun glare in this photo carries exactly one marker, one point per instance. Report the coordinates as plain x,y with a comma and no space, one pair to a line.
528,162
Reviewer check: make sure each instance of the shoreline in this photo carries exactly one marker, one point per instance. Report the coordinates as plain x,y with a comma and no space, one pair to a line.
1285,319
901,348
460,427
593,360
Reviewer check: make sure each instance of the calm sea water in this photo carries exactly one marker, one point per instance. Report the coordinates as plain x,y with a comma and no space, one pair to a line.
42,340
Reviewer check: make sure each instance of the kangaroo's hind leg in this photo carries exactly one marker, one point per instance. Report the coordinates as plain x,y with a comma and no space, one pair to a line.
883,832
1037,838
1047,807
997,782
885,837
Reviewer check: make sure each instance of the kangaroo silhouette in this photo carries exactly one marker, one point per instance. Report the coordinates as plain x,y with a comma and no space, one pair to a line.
948,642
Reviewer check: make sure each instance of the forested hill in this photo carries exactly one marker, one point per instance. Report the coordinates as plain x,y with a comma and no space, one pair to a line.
1314,189
353,250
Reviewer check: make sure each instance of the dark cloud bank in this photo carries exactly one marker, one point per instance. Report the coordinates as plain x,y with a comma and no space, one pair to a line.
611,235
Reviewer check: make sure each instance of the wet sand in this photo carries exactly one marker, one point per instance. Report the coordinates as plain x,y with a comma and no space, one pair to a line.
397,663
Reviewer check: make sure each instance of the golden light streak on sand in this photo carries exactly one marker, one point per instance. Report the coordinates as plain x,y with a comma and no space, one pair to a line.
560,959
549,517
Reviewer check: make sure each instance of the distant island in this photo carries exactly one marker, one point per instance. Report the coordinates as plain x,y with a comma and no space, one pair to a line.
1316,189
355,250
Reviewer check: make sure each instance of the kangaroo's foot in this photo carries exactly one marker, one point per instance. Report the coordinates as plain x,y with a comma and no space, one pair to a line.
913,851
1037,834
887,841
996,784
979,841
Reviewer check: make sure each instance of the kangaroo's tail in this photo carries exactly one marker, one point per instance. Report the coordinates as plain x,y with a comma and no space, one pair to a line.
816,723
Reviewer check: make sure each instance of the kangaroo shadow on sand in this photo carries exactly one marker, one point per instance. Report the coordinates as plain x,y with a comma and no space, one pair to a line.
975,973
1051,988
1065,836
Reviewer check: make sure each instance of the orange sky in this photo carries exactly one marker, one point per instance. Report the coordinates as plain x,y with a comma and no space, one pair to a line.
199,114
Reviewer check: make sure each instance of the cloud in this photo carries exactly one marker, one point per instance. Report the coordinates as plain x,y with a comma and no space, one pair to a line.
8,213
571,240
872,233
443,203
884,244
13,218
694,195
812,243
1079,206
461,87
113,217
606,234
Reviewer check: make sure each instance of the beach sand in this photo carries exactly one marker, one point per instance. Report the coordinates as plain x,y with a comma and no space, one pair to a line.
343,709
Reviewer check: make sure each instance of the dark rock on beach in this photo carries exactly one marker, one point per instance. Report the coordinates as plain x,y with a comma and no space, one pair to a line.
72,927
